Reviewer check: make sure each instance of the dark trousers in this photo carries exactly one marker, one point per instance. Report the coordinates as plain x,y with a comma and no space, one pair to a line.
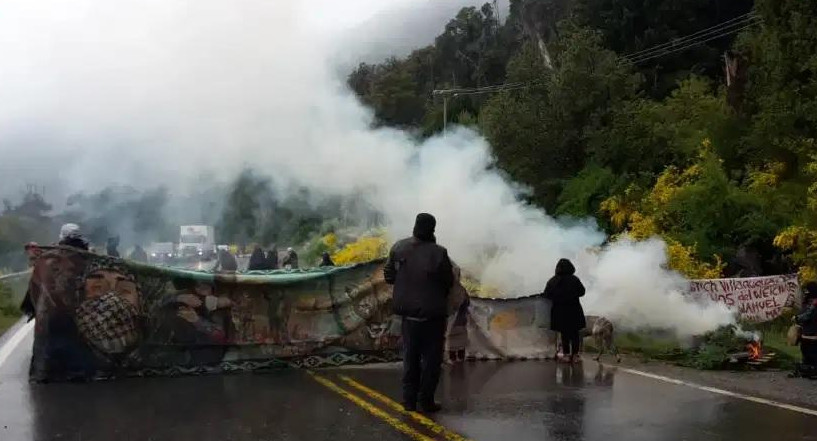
571,342
808,348
423,346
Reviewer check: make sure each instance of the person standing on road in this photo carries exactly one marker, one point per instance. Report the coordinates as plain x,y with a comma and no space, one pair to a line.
70,236
422,275
291,259
807,319
458,303
566,315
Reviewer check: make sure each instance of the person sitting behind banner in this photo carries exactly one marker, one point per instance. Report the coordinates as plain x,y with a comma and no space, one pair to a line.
458,303
290,260
807,319
226,262
326,259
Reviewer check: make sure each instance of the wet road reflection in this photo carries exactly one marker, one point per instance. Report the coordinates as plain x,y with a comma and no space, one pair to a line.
484,401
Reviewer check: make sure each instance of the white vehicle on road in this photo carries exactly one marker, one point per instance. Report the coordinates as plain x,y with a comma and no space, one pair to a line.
197,240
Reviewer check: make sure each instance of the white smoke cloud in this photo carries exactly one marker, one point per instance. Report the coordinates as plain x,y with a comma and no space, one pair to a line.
148,92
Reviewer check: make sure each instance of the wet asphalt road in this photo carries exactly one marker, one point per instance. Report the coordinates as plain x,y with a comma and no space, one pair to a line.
485,401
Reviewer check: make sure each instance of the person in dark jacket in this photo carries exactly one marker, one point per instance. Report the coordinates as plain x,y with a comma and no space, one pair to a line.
138,254
272,258
422,275
226,262
807,319
258,262
566,315
291,259
326,259
113,244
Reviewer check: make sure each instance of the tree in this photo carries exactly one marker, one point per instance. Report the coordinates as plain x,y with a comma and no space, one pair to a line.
540,133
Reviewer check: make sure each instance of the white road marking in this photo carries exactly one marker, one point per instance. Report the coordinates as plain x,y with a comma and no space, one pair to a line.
720,391
11,344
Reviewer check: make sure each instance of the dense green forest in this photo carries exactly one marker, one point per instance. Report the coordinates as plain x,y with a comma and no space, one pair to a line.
693,120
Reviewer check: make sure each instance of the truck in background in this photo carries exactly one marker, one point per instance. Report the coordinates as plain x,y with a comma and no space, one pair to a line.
197,241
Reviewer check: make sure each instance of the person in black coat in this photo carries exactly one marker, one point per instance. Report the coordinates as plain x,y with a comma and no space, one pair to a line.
226,262
566,314
258,262
422,275
807,319
326,259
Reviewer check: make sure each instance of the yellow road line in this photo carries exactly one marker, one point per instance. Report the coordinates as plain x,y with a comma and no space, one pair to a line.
426,422
372,409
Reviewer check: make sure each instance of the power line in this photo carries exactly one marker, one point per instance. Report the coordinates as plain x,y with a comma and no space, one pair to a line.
690,45
737,21
719,30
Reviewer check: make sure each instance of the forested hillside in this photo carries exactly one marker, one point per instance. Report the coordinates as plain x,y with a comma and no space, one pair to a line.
693,120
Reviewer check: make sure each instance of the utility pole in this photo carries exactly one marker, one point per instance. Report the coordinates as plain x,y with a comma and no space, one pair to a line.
446,94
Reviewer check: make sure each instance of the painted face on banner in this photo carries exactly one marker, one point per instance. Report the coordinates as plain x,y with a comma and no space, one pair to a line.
109,313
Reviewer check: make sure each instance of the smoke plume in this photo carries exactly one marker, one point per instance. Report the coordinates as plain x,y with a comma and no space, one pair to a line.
159,92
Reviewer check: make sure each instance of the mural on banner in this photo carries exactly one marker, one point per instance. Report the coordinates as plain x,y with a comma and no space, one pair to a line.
510,328
99,316
755,299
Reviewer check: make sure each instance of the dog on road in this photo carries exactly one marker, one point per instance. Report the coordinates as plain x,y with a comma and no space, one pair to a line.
602,331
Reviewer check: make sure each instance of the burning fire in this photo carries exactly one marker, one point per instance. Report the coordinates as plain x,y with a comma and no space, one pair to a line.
755,349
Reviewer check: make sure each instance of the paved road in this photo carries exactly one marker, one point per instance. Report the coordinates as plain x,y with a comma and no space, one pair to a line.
484,401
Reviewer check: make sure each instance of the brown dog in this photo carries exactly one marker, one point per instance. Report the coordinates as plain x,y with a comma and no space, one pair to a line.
602,332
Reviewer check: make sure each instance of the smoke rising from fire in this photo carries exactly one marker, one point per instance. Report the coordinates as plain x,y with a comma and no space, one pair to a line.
155,92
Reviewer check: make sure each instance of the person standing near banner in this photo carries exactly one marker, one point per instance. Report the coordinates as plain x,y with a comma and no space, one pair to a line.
422,275
457,335
566,315
807,319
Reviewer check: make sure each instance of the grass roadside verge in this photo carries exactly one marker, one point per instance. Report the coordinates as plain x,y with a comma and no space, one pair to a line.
711,349
9,312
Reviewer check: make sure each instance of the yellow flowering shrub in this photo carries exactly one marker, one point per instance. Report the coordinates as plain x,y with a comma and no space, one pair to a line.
682,259
476,289
639,216
365,249
330,241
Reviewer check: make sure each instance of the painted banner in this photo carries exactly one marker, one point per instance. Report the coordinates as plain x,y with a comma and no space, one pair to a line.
101,317
755,299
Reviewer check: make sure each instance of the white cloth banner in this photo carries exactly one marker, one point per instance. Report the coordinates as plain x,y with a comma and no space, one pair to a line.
755,299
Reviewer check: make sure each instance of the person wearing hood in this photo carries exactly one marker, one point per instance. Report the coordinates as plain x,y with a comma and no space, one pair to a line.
113,244
138,254
226,262
258,262
566,314
807,319
422,275
272,258
326,259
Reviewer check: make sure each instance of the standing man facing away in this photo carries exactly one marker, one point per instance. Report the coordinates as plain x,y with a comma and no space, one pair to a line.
421,273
